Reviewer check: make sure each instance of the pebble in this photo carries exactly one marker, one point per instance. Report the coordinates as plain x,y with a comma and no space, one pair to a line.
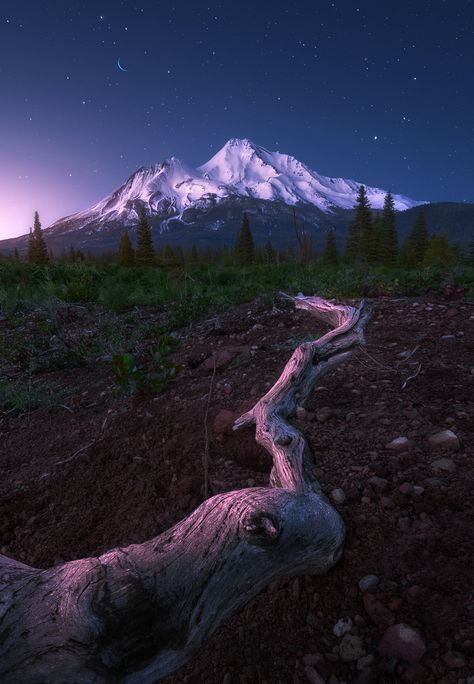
365,661
223,422
398,444
323,414
313,676
368,582
446,439
444,464
342,626
406,488
351,648
404,642
301,413
454,660
379,483
338,496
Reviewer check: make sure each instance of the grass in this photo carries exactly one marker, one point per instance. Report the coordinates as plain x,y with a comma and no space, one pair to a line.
184,295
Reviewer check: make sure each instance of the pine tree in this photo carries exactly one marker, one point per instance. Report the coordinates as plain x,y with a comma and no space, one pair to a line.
37,250
417,240
168,258
359,243
244,246
440,252
126,255
269,253
389,251
16,256
194,256
144,253
330,255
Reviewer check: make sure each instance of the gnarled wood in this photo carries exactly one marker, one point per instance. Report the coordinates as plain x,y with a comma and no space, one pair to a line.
136,614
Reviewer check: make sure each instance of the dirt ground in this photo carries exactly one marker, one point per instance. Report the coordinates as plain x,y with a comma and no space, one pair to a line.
101,470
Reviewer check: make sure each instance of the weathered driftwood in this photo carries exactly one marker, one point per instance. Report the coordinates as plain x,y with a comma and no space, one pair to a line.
136,614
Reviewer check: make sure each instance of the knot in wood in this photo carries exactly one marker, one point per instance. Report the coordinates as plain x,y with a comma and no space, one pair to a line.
262,528
284,440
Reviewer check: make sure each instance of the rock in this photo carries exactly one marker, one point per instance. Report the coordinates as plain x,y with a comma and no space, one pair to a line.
454,660
368,582
406,488
323,414
338,496
351,648
223,422
313,659
313,676
220,360
446,439
365,661
404,642
378,483
418,491
227,388
377,612
301,413
444,464
342,626
398,444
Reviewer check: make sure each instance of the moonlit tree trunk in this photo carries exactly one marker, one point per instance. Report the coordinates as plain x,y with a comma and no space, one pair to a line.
136,614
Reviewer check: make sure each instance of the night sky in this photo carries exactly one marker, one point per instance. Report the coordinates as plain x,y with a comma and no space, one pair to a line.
381,92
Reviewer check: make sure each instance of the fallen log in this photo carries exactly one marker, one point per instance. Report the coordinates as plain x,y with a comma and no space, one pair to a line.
137,614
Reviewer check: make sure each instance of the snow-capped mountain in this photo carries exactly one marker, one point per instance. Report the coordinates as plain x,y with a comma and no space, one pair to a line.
240,169
204,205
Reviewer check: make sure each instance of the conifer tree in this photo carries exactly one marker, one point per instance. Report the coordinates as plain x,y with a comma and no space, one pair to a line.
269,252
126,254
417,240
440,252
330,254
37,250
16,256
244,245
359,243
389,250
194,256
168,258
144,253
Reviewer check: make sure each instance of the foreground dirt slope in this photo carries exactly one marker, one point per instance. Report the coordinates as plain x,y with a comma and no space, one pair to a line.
136,468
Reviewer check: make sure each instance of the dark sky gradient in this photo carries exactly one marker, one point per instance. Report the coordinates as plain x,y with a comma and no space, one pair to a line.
381,92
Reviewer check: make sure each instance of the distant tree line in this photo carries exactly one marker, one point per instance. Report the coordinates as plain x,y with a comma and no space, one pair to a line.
372,240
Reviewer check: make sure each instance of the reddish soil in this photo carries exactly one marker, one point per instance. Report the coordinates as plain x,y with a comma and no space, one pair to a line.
135,468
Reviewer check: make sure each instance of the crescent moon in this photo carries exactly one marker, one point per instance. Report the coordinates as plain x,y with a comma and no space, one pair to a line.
120,66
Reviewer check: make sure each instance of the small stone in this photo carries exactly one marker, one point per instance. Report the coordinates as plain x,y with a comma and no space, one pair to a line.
227,388
446,439
312,659
368,582
404,642
219,360
378,483
313,676
338,496
351,648
444,464
342,626
223,422
398,444
377,612
323,414
418,491
454,660
365,661
406,488
414,591
301,413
